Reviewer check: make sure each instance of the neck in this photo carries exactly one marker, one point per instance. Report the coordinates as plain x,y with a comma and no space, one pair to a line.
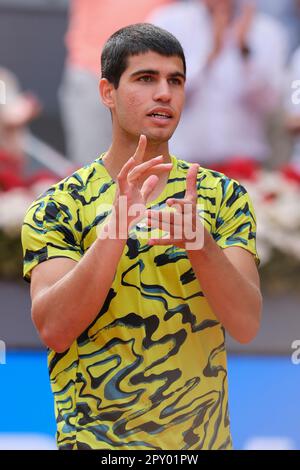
123,147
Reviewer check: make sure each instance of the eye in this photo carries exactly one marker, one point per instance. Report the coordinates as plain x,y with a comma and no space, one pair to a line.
175,81
145,78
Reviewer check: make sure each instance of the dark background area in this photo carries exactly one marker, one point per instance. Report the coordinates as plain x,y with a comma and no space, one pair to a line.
32,46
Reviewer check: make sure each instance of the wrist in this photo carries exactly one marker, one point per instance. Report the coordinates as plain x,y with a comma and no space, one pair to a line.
245,50
115,227
204,247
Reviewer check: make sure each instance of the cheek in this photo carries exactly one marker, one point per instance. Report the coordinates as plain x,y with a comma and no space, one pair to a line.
135,100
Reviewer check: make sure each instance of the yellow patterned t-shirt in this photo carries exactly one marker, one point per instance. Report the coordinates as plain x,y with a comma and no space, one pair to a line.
150,371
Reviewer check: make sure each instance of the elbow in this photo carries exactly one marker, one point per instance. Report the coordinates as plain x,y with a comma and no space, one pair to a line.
252,327
49,336
247,336
54,341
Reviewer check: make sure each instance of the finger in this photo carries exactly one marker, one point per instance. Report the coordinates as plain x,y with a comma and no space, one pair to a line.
160,167
132,162
122,176
155,170
141,148
174,231
149,170
163,241
170,222
184,207
178,204
138,169
191,182
170,218
139,179
148,186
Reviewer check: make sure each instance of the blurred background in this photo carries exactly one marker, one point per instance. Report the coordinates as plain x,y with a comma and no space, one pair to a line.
244,120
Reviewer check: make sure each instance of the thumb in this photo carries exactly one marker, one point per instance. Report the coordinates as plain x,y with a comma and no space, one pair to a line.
148,186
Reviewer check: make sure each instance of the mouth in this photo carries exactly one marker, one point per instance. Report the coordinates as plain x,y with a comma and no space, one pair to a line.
160,114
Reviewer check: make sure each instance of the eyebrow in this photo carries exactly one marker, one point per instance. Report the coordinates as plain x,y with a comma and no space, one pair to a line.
156,72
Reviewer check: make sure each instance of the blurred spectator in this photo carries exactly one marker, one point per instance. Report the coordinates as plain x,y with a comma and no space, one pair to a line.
284,11
293,115
235,67
16,111
86,121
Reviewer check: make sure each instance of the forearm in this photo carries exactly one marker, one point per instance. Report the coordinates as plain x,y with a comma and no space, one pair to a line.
293,124
235,301
64,310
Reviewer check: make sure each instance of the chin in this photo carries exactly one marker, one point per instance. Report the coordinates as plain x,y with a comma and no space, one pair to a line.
159,136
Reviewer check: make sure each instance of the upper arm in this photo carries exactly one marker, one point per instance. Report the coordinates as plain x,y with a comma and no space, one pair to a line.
46,274
244,262
50,238
236,224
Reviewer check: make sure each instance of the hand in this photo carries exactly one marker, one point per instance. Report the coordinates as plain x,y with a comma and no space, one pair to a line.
220,21
21,111
135,183
183,225
242,25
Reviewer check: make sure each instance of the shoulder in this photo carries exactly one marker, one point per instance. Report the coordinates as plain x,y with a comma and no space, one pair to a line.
59,210
210,179
221,190
74,190
80,182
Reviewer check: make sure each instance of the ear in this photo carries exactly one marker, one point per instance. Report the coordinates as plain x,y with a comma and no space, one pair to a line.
106,92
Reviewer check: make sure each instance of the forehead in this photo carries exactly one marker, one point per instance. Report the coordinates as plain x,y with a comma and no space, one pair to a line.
153,61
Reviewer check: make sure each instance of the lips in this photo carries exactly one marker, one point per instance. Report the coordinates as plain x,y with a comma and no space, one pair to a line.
160,113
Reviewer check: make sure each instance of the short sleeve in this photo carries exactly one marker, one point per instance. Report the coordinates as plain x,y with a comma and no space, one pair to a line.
51,229
235,221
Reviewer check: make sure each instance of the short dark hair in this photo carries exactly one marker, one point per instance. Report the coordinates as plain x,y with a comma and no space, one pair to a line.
134,40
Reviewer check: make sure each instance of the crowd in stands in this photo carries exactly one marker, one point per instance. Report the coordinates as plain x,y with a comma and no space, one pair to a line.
243,79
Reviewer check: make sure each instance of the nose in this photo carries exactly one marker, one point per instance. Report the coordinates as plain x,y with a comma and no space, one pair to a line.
162,92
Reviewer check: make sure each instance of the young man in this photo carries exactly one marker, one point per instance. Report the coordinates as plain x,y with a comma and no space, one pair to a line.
135,324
